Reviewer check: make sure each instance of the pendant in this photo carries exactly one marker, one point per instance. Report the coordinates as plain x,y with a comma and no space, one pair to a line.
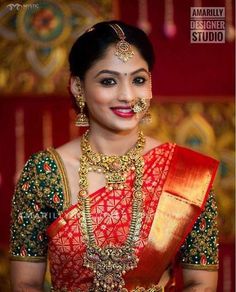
115,181
109,264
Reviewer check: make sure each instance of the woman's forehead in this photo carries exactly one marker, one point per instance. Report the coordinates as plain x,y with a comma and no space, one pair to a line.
109,61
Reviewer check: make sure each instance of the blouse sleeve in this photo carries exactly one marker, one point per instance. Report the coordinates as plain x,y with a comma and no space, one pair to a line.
200,249
29,221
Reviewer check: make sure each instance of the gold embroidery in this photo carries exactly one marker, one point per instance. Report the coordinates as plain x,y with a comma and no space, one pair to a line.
200,250
38,197
200,267
34,259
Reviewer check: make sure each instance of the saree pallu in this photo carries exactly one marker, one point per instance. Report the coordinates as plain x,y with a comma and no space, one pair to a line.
175,188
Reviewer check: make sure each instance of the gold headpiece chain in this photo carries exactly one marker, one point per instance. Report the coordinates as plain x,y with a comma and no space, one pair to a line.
123,49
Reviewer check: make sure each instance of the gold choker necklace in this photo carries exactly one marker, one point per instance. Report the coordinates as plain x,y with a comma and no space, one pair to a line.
110,263
114,167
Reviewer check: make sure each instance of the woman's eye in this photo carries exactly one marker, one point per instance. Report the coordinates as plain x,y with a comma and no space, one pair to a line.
139,80
108,81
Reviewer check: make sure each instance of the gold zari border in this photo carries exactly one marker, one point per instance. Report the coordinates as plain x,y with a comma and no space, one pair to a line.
137,289
151,289
62,170
61,222
200,267
33,259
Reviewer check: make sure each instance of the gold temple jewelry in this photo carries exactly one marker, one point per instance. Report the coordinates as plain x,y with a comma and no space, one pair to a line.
114,167
81,119
110,263
139,105
147,116
150,88
123,49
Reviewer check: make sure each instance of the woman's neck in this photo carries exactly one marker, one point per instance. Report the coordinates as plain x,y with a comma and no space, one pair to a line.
112,143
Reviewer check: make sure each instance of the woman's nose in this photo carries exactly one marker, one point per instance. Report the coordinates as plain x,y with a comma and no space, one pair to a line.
126,93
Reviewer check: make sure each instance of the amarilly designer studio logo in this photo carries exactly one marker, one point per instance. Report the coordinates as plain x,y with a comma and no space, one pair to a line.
207,25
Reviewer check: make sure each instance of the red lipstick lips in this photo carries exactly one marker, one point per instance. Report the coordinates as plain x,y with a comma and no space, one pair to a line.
123,112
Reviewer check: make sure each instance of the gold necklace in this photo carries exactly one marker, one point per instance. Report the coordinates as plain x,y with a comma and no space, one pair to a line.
110,263
114,167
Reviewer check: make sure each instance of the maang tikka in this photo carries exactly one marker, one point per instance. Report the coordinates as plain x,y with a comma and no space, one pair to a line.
81,119
123,49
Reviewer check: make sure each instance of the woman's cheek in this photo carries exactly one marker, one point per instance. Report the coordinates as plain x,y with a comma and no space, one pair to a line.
104,97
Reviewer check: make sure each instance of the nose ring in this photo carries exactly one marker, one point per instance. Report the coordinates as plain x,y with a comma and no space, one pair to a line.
139,105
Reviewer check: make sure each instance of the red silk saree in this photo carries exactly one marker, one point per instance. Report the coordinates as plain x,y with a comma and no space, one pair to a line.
177,182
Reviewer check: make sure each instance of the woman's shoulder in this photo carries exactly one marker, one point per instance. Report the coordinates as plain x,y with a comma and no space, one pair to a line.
48,158
152,143
70,152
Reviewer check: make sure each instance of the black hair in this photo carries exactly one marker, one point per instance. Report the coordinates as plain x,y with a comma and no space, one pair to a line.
91,45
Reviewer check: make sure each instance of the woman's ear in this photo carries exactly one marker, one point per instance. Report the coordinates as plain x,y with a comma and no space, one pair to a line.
75,85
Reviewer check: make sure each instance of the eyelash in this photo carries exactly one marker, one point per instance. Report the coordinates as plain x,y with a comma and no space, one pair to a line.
110,81
140,78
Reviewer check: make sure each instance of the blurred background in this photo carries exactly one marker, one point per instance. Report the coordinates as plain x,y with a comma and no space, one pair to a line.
193,88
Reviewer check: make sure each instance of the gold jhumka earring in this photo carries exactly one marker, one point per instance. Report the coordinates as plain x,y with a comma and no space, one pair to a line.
123,49
81,119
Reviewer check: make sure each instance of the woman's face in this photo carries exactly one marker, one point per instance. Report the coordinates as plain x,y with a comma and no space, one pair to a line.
109,87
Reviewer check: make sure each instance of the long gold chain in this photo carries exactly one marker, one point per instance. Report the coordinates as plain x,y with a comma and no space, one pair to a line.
110,263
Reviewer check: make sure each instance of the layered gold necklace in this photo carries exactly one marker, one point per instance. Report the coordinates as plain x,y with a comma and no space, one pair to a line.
109,264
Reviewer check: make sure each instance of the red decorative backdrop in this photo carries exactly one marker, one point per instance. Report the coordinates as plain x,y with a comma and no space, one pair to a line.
182,68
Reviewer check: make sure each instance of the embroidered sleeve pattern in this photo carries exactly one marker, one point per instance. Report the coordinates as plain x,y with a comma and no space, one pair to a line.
200,249
37,201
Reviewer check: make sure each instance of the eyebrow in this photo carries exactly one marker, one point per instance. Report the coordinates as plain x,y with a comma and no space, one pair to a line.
118,73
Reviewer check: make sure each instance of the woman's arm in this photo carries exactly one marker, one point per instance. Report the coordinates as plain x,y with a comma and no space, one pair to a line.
199,280
28,244
199,254
27,276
